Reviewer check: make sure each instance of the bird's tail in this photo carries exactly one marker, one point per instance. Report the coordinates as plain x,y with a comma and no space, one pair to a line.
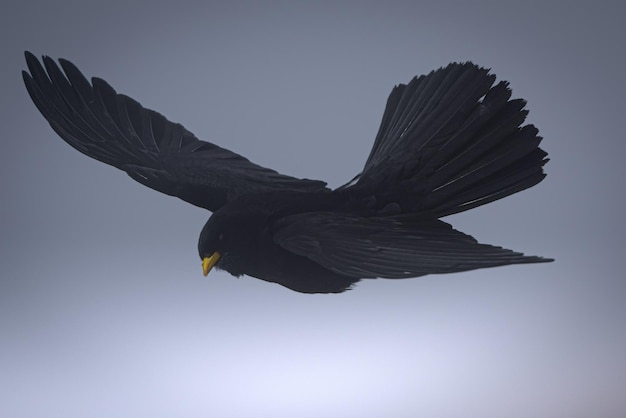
450,141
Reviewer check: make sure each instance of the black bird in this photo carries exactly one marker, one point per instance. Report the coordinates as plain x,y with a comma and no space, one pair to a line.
449,141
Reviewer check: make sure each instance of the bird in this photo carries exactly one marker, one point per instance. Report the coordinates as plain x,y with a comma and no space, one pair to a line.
449,141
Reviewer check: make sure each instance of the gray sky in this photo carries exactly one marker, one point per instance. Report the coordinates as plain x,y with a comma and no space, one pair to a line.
103,308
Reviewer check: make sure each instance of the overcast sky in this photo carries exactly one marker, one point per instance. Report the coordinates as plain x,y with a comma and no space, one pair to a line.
103,308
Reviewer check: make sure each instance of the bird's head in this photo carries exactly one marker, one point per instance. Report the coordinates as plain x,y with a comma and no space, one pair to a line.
226,236
212,244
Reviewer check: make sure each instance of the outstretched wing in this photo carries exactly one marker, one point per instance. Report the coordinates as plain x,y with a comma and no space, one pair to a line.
160,154
390,247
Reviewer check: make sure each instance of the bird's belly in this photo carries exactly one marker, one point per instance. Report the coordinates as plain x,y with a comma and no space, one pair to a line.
274,264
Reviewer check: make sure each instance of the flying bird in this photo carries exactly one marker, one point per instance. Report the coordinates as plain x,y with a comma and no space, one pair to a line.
449,141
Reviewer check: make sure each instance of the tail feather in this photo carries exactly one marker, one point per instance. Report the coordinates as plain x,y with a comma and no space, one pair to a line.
501,171
450,141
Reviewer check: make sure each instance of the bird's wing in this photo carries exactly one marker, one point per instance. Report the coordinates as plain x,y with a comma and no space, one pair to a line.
160,154
390,247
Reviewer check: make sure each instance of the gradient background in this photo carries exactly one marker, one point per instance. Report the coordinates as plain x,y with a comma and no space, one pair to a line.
103,308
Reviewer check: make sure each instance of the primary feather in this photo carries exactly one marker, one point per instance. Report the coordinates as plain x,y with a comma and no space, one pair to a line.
392,247
117,130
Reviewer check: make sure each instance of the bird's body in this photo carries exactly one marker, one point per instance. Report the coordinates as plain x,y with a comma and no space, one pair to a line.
449,141
248,226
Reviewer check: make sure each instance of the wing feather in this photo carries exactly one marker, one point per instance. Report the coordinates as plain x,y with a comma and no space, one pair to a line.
389,247
117,130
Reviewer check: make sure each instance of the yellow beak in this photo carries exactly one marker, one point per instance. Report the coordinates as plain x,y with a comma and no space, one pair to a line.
209,262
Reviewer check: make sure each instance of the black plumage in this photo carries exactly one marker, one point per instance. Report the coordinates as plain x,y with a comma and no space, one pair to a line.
448,141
